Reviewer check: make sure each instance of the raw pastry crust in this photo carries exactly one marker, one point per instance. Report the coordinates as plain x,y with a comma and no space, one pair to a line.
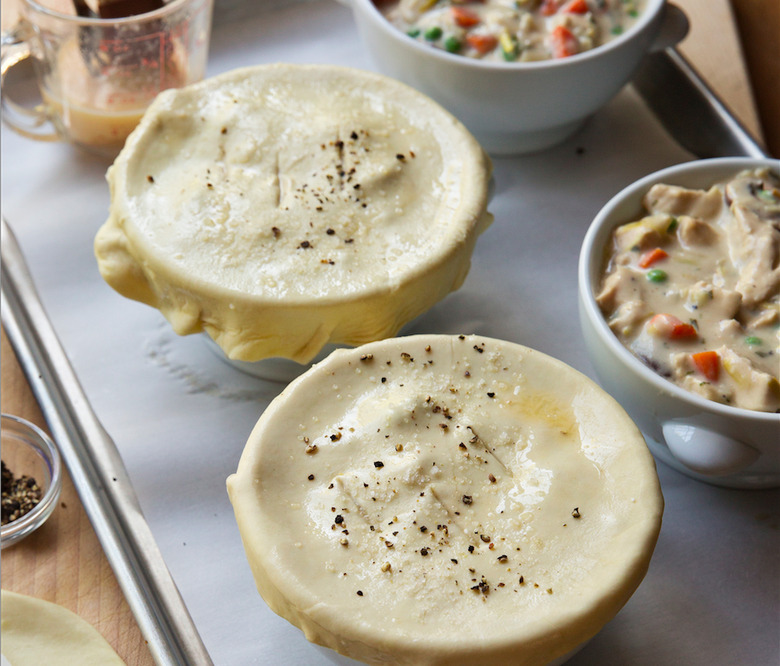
282,207
446,500
36,632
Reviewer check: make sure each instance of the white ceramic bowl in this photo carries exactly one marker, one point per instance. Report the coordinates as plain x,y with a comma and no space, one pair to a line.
709,441
518,107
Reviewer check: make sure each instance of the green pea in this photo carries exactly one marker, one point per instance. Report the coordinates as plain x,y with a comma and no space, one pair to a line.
432,34
767,196
452,44
753,340
413,32
657,275
617,30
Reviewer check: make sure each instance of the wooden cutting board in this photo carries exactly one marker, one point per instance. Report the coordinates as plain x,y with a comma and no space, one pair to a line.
63,561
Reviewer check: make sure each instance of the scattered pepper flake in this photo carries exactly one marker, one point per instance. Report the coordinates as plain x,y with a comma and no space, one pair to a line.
20,495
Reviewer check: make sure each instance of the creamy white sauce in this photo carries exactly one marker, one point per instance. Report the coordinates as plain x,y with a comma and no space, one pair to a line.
693,288
514,30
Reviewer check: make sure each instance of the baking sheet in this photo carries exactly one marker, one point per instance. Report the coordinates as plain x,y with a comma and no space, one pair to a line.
180,416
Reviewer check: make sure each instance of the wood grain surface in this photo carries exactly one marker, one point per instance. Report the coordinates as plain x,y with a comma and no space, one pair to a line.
63,561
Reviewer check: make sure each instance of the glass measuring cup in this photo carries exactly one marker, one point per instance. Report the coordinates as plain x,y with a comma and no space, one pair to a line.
96,76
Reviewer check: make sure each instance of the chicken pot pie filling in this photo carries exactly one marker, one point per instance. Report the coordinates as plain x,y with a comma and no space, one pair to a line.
693,288
513,30
446,500
283,207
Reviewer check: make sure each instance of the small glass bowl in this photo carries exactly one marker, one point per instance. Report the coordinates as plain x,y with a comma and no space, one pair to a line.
27,450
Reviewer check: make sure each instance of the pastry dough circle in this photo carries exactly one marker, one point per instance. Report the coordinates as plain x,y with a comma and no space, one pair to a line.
39,632
446,500
281,207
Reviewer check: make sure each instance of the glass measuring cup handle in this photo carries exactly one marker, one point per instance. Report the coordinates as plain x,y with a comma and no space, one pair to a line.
31,122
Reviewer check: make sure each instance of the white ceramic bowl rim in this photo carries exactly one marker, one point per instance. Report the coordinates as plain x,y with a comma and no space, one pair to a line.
651,10
671,175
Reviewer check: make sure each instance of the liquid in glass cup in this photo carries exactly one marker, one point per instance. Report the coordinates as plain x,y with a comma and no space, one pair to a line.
97,76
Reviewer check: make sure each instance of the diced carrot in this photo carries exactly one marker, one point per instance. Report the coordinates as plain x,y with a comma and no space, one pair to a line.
577,7
550,7
708,364
670,327
482,43
564,43
464,17
652,256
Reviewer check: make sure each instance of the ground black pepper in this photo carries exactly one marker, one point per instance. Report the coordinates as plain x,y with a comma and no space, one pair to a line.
19,495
